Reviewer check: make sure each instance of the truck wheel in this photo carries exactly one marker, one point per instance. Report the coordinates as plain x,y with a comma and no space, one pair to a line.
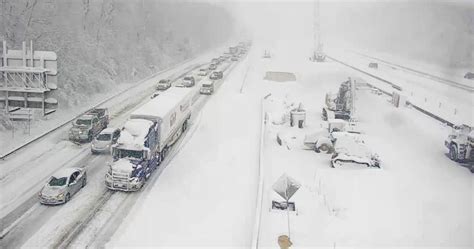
453,153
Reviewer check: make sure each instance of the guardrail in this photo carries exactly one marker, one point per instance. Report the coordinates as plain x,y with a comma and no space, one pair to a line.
22,146
428,113
424,74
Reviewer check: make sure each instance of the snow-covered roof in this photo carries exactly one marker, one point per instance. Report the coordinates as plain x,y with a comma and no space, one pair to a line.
109,130
66,172
158,107
86,116
134,133
350,146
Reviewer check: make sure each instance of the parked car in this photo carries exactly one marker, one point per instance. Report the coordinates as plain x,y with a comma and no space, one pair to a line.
348,150
188,81
88,125
62,185
216,75
163,85
103,142
212,67
203,72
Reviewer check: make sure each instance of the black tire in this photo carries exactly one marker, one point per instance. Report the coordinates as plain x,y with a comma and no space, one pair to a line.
68,197
84,182
185,126
324,148
453,152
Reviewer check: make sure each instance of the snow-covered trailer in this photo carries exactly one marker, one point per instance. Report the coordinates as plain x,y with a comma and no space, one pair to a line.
146,138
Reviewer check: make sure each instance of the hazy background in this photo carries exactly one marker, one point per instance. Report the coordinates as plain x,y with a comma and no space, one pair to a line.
437,32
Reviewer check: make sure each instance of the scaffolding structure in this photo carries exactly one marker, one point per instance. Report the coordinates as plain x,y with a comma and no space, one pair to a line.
27,79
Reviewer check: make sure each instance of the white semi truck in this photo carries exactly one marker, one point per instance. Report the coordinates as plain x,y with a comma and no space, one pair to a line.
147,136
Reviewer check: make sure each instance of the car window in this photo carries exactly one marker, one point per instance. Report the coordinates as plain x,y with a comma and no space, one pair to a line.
61,181
116,134
73,177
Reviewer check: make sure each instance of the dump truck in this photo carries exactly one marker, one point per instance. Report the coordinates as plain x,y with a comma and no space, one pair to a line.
88,125
146,138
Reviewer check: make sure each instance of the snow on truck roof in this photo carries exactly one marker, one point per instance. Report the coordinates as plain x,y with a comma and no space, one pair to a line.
160,106
134,133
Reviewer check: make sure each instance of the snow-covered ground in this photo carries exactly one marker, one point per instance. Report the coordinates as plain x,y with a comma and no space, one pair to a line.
419,199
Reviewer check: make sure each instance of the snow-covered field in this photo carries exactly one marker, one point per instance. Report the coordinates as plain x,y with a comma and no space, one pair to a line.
419,199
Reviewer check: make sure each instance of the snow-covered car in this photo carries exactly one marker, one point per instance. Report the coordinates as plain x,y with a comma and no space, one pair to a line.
188,81
216,75
234,58
212,67
103,142
348,150
469,76
163,85
62,185
203,72
207,88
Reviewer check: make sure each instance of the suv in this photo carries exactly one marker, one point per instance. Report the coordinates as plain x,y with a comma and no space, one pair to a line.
216,75
188,81
163,85
104,141
207,88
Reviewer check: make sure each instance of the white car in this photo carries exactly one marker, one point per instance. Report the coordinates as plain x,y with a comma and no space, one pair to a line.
203,72
351,150
62,186
103,142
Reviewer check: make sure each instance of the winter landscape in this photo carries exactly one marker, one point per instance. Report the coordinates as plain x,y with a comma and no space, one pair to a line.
237,124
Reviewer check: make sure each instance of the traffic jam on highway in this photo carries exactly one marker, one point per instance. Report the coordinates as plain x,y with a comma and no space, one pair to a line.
143,142
117,145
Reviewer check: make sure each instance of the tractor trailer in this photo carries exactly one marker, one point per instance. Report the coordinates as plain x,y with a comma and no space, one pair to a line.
146,138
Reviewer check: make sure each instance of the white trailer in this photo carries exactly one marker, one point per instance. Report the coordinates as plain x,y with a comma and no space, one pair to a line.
147,136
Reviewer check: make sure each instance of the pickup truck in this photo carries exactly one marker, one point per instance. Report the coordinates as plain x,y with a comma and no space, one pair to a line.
88,125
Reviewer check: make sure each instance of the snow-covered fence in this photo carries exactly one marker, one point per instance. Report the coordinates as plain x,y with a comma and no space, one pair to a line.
258,210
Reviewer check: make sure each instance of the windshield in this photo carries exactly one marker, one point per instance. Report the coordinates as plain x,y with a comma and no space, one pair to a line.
104,137
57,181
207,85
163,81
187,78
83,121
138,154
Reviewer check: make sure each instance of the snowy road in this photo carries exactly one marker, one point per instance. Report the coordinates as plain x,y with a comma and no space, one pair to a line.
23,217
206,196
